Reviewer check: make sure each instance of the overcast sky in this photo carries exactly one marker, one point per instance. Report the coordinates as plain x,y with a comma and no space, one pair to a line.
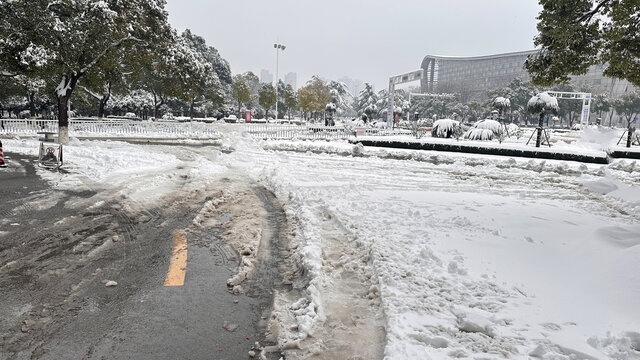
368,40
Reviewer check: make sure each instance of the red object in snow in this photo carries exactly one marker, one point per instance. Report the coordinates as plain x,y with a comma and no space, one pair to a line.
247,116
2,164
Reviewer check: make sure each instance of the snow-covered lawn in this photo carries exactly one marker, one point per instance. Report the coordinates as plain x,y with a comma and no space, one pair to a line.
481,257
455,255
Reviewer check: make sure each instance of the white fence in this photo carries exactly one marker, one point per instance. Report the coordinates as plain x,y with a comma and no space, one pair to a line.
197,130
115,128
273,131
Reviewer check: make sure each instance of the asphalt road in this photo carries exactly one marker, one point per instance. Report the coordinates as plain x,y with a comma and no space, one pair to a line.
56,256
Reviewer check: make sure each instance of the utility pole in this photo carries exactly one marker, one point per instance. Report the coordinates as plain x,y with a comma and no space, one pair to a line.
277,47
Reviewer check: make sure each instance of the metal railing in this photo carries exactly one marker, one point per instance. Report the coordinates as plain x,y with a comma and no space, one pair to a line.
118,128
277,131
200,130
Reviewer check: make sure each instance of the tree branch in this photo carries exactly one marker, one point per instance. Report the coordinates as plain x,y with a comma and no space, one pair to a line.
104,52
91,92
589,15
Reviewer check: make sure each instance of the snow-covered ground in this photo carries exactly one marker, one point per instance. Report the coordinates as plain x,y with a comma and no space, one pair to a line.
454,255
483,257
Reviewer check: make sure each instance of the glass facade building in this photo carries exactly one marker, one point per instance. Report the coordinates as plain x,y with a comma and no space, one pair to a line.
473,77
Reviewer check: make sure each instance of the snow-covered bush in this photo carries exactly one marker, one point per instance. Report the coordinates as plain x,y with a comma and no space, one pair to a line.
577,127
513,128
444,128
24,114
130,115
353,123
486,129
168,116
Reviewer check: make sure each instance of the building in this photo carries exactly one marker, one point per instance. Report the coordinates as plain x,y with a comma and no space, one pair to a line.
266,76
291,79
473,77
354,85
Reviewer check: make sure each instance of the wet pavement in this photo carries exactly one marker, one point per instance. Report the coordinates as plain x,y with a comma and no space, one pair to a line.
57,251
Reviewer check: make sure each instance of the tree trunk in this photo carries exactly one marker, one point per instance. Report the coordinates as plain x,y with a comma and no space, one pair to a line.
63,94
155,105
630,132
63,120
610,117
191,109
101,108
32,105
540,125
103,101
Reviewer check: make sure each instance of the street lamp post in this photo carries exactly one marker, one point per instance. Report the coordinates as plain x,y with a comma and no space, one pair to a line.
277,47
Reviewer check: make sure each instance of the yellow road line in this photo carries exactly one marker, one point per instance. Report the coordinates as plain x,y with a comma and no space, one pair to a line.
178,267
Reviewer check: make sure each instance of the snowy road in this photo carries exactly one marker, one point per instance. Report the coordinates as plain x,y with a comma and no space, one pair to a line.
61,243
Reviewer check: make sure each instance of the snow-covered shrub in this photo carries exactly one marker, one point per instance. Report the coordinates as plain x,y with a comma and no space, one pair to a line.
542,102
444,128
502,103
168,116
425,122
24,114
577,127
130,115
486,129
513,128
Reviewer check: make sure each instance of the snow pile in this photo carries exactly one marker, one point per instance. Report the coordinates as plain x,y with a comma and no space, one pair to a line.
513,129
444,128
486,129
599,137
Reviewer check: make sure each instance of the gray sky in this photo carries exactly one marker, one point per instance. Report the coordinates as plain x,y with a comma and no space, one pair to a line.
368,40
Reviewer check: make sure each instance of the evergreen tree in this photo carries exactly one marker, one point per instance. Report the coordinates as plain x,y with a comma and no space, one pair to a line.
601,103
575,34
240,91
65,40
290,99
628,105
341,98
366,102
267,98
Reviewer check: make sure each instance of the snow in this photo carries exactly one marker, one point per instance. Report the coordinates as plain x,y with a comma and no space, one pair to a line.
463,255
444,128
543,101
63,87
502,102
467,269
484,130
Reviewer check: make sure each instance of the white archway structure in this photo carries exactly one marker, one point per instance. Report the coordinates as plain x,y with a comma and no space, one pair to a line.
584,97
396,80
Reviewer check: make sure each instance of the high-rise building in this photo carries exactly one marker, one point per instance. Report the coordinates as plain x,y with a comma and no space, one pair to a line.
354,85
266,76
291,79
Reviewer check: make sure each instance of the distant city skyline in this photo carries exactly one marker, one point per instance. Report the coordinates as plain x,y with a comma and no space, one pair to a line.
266,76
359,39
291,79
